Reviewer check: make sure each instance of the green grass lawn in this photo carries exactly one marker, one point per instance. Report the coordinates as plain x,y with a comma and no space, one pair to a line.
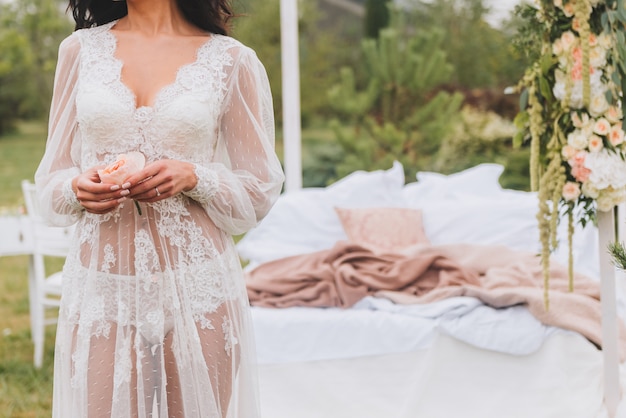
24,391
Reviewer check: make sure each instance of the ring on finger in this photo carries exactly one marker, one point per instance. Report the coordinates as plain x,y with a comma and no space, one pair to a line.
156,189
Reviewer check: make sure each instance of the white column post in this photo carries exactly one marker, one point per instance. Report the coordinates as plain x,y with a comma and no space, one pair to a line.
610,330
291,94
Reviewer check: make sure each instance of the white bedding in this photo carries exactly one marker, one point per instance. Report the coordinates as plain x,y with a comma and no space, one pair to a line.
450,379
382,360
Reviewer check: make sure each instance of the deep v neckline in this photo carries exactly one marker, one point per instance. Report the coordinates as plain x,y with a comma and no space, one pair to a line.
156,101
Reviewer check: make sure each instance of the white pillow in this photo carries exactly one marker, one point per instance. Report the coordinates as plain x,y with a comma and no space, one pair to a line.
507,218
488,221
481,180
305,221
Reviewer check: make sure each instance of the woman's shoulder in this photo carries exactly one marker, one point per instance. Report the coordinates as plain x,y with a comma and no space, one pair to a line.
70,46
233,49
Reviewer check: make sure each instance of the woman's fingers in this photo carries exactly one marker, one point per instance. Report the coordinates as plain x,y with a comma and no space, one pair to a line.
160,180
97,197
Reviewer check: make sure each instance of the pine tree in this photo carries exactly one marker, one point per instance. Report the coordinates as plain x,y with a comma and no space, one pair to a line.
376,17
399,114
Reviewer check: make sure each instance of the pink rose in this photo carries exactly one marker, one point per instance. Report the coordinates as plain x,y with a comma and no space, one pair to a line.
595,143
125,166
578,159
571,191
581,173
616,135
602,127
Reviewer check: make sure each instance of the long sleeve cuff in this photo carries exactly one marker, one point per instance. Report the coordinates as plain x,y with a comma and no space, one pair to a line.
206,187
70,197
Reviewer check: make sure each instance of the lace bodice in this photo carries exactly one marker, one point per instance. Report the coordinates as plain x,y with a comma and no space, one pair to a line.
174,266
181,124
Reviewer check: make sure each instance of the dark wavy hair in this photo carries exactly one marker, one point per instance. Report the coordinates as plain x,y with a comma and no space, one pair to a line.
209,15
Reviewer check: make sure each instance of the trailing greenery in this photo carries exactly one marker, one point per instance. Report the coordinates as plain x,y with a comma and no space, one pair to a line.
570,113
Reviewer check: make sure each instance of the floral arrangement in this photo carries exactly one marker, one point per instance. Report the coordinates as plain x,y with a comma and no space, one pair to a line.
571,111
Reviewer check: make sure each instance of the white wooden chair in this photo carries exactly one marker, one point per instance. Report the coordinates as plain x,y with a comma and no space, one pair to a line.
44,288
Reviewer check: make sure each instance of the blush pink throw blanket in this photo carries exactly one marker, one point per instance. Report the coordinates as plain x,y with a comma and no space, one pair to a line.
496,275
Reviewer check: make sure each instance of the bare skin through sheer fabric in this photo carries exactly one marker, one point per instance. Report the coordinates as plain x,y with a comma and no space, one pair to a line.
154,318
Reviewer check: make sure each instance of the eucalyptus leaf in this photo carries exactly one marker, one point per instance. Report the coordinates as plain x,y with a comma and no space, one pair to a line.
523,100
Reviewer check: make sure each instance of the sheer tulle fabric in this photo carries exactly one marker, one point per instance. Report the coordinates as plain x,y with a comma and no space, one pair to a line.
154,317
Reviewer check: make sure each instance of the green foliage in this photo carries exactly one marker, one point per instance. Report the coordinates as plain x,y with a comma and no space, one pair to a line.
30,32
398,115
376,17
323,49
482,56
484,136
16,92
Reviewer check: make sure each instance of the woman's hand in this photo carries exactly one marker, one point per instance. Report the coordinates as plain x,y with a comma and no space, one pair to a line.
160,180
94,196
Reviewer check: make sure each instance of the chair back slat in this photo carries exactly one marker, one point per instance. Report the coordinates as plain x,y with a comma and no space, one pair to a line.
47,240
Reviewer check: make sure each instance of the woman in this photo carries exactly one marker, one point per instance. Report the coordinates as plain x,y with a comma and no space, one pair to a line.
154,315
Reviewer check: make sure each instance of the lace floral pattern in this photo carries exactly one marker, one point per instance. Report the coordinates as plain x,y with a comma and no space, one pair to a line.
70,196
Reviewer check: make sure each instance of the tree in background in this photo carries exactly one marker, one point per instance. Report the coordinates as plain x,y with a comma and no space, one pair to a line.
398,115
17,95
322,51
483,56
30,32
376,17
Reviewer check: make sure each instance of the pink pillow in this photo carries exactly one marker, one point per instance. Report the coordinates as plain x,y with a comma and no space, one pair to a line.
383,229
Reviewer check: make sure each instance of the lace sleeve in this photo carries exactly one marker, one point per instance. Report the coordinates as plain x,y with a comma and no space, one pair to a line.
241,185
60,161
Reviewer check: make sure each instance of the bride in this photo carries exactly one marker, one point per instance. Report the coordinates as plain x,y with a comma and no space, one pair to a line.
154,317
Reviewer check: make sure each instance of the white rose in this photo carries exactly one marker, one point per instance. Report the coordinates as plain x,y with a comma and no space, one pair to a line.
605,41
568,40
597,57
598,106
605,202
580,121
590,190
577,140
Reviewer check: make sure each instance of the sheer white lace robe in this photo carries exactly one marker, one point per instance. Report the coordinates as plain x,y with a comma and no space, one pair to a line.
154,317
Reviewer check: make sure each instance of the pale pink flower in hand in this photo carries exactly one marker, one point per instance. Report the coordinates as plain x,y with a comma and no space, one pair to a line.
125,166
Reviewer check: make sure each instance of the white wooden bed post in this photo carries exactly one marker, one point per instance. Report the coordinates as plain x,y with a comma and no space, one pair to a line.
291,94
608,232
